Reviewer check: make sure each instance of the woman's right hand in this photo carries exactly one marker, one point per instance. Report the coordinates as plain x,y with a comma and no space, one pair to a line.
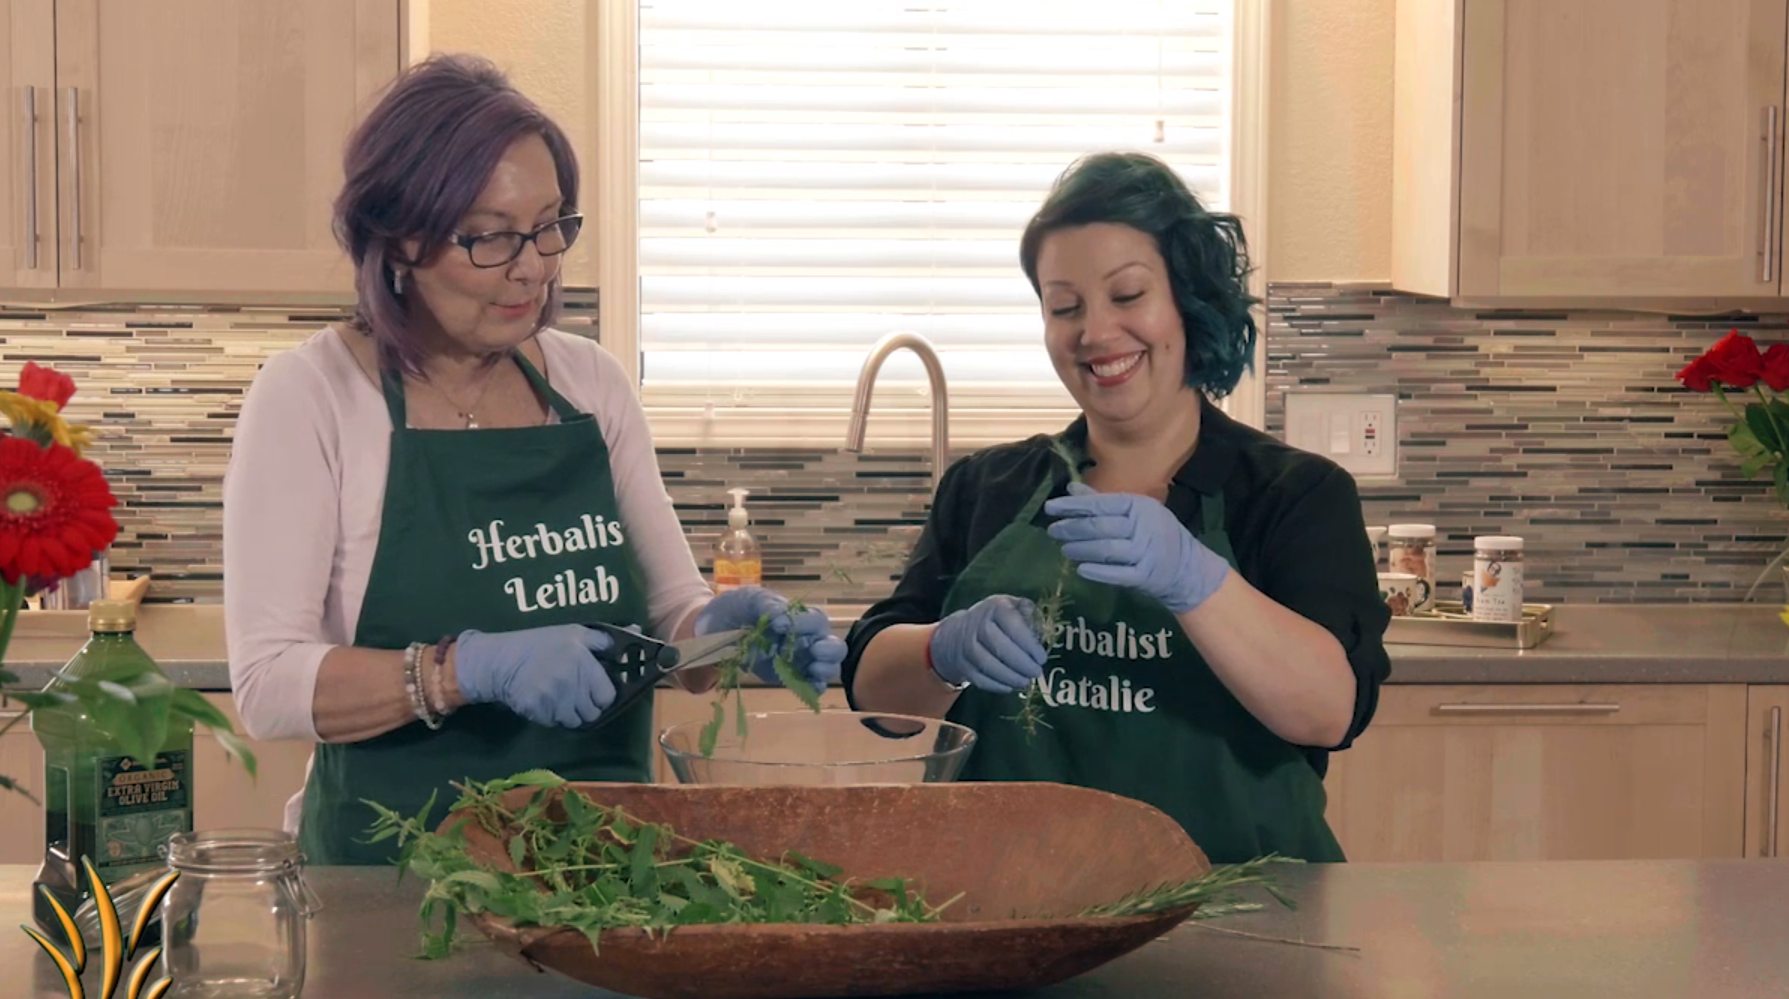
991,646
549,676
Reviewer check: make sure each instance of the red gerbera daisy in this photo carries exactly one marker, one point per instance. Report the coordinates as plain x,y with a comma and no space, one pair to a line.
55,511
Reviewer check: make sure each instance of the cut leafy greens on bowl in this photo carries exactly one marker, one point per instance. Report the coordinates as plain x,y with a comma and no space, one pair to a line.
745,892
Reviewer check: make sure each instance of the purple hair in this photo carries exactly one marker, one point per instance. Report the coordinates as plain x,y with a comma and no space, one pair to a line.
413,169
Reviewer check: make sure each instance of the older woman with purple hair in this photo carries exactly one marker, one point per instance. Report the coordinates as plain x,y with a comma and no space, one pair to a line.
429,505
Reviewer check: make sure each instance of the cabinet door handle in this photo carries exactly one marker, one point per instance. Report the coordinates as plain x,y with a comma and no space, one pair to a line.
1526,709
74,146
1772,160
31,178
1773,807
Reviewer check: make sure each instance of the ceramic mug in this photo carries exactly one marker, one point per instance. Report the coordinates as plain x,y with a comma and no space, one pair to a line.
1399,590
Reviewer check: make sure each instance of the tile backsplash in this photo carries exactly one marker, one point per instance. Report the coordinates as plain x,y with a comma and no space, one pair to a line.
162,387
1566,428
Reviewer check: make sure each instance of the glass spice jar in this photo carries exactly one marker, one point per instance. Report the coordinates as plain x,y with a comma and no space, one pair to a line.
1411,548
234,922
1497,578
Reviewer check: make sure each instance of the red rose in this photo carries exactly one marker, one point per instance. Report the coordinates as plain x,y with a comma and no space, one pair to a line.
1698,375
47,384
1736,361
1776,367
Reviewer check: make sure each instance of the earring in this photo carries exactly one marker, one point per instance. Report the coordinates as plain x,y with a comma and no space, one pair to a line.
397,282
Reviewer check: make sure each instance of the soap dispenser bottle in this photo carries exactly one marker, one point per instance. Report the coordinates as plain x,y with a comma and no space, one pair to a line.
736,559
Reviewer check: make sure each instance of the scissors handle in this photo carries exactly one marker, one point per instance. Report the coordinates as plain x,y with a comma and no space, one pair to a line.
636,664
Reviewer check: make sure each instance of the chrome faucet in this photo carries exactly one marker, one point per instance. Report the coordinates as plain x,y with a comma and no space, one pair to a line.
866,382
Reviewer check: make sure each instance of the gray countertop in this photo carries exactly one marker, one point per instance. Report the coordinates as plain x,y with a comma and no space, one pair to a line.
1633,930
1591,643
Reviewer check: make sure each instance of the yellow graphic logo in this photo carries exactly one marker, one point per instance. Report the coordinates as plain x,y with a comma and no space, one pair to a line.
112,942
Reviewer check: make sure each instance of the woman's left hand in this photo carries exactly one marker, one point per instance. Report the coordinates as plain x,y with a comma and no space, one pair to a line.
817,655
1133,541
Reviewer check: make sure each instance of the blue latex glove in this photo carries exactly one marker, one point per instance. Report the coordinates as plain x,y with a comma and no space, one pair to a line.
990,645
1133,541
549,676
818,655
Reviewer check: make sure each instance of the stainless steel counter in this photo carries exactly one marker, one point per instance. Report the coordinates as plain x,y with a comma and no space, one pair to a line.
1592,643
1633,930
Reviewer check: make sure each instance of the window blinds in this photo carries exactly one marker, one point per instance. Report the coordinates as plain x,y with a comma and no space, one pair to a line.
814,175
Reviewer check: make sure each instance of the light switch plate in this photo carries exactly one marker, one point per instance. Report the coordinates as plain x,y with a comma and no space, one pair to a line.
1356,430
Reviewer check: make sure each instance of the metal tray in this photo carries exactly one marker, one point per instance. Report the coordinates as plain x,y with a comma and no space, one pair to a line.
1449,624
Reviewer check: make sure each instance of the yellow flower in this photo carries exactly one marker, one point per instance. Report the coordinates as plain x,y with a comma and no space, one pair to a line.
41,420
1785,615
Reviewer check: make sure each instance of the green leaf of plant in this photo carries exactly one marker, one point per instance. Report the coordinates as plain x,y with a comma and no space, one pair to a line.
193,705
711,732
816,868
518,850
140,725
1782,483
1762,429
1755,464
644,875
535,778
234,746
1743,440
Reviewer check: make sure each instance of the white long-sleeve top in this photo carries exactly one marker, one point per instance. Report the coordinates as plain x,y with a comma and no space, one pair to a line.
304,495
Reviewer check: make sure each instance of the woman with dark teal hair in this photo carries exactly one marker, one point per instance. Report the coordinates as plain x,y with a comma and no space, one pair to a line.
1190,616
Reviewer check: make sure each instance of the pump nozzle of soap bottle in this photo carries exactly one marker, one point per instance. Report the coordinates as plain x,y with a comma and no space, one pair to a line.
737,561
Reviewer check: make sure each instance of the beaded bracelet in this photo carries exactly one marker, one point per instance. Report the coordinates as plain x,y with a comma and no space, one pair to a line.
413,685
441,648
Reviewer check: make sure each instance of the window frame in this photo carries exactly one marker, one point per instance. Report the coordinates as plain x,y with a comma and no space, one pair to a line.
902,414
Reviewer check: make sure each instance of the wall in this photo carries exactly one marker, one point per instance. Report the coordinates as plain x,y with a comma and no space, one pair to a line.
1568,429
163,387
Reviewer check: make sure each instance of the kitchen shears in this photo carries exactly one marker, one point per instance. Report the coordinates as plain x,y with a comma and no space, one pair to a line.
636,663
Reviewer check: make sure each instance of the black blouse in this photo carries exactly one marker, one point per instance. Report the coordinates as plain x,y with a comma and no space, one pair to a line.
1293,518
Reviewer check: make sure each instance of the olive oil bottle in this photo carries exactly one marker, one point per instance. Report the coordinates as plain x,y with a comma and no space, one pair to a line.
100,803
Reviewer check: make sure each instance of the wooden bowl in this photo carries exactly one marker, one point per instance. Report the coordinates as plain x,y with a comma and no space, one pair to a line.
1025,855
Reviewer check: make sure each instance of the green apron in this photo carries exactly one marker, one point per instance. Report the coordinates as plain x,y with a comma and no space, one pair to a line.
498,530
1133,709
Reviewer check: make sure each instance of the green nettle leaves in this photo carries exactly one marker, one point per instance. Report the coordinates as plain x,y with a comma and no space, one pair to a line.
592,868
731,671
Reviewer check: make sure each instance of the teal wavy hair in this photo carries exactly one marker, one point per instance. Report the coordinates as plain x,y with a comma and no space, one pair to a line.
1206,254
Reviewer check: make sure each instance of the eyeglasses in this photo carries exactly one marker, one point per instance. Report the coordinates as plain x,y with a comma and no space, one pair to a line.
495,249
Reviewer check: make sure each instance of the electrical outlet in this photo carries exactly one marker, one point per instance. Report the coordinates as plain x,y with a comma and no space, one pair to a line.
1356,430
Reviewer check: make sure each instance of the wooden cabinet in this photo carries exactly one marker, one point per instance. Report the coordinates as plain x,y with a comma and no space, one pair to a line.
1595,151
226,796
21,819
1544,772
1766,793
183,146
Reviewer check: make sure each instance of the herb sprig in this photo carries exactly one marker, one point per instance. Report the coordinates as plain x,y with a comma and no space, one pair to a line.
732,670
601,868
1049,619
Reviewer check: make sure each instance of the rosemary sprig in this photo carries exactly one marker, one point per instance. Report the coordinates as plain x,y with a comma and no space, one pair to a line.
1049,619
1214,892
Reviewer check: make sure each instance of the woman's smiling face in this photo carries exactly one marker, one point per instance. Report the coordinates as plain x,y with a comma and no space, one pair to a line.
1110,323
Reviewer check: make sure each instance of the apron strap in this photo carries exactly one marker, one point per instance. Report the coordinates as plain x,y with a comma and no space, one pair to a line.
1211,526
560,404
393,389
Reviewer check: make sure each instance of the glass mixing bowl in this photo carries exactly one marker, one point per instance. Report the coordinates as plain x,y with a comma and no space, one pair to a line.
826,747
